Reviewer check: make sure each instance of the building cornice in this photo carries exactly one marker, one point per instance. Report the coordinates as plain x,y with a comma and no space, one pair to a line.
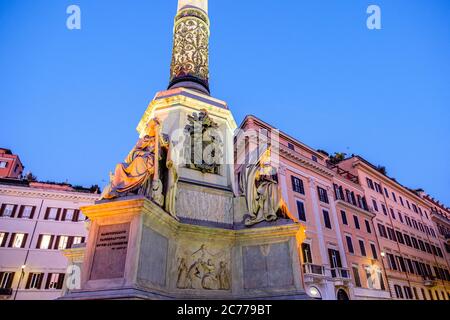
357,161
46,194
305,162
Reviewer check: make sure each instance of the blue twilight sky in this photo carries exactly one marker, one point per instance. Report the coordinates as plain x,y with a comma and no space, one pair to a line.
70,101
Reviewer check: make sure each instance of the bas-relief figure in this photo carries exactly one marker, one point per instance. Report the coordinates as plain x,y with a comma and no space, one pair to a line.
148,170
259,184
206,272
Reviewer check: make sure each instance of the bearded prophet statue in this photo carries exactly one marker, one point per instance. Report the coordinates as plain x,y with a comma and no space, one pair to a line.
262,192
139,173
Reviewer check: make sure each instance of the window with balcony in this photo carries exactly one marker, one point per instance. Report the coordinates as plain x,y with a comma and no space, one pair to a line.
306,251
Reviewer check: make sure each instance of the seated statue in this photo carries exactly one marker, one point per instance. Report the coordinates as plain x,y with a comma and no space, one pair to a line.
262,191
137,173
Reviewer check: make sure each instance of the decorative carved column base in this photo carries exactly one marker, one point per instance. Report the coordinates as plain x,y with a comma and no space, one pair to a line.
138,251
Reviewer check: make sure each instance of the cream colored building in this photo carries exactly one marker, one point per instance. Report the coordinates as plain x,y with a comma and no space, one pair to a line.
37,221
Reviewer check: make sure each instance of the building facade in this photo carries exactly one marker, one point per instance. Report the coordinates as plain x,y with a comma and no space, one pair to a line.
414,260
37,222
10,164
340,255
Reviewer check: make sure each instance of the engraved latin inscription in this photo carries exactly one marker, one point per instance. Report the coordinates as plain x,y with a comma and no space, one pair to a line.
110,252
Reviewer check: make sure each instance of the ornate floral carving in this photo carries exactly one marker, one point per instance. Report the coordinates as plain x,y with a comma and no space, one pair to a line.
190,55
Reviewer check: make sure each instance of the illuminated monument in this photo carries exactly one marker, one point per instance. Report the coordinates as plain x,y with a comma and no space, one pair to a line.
177,220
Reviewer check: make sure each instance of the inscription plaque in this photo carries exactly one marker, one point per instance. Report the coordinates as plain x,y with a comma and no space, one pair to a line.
110,252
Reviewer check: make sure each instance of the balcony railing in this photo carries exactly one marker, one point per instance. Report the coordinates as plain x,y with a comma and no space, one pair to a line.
340,273
313,269
5,291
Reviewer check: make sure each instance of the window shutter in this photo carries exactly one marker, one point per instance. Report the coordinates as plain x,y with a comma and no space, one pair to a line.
47,212
2,209
27,286
11,240
64,215
21,212
38,245
14,211
56,243
5,238
39,282
10,280
47,283
33,210
58,215
60,281
50,245
69,242
76,215
24,242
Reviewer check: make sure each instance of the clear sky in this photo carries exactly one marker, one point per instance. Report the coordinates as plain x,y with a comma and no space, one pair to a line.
70,101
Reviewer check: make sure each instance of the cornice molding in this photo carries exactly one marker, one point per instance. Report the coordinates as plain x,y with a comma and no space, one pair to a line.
46,194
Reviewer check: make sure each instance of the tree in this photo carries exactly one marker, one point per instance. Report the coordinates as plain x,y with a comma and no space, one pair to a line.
337,157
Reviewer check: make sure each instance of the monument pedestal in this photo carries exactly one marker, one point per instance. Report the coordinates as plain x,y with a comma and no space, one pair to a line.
138,251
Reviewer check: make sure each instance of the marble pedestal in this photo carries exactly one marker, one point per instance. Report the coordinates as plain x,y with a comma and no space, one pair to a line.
138,251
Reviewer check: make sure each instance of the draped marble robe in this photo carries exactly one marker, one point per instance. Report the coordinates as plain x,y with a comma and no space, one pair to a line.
135,172
263,193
